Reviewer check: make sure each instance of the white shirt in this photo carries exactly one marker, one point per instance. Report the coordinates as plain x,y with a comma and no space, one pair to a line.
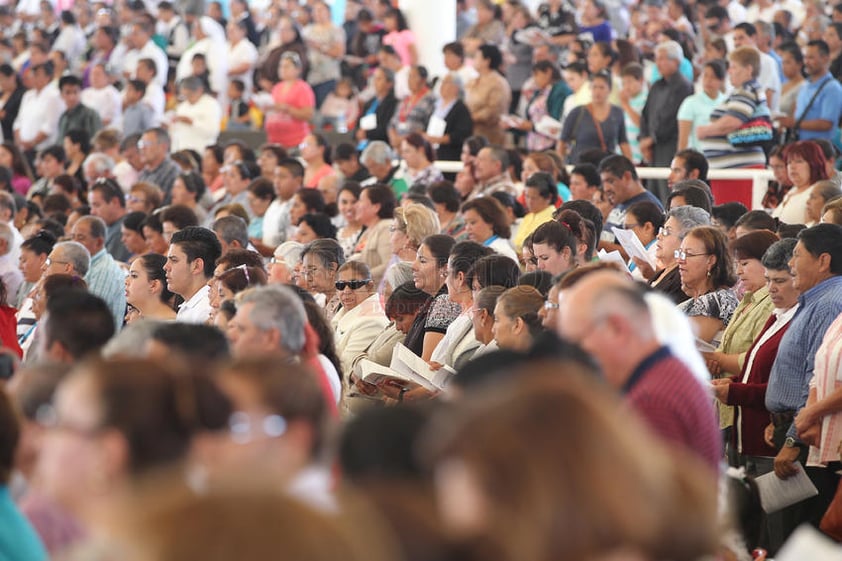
125,175
275,222
770,79
107,102
11,275
197,309
503,247
180,39
40,112
736,12
149,50
217,61
206,115
402,83
155,99
71,41
242,53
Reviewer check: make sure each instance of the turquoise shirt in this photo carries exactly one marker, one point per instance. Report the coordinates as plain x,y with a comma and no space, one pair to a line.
697,109
18,540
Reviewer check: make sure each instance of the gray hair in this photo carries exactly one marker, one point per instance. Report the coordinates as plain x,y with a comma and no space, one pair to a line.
7,235
192,84
7,201
76,254
231,228
778,255
458,82
689,217
96,224
377,152
398,274
102,163
672,49
289,253
327,251
766,29
277,307
827,190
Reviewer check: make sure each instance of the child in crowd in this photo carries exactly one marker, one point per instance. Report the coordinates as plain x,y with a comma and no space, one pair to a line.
632,99
238,115
137,116
341,106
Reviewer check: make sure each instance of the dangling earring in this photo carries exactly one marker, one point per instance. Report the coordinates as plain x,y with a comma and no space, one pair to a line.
709,273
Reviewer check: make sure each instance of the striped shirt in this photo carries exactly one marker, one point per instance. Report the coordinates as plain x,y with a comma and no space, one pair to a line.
744,103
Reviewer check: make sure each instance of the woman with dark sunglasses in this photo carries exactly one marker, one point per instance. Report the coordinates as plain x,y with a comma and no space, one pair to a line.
361,317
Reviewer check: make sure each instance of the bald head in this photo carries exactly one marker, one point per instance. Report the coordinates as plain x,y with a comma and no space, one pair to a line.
606,314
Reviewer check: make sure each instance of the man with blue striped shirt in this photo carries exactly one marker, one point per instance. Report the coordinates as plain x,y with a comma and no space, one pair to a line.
817,271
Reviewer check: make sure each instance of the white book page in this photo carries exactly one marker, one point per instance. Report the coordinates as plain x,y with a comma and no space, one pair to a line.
631,244
776,493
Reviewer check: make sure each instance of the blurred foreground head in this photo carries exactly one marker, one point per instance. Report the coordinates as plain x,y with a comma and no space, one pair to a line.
551,466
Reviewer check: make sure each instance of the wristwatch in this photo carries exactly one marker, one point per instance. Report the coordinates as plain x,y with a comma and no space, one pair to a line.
790,442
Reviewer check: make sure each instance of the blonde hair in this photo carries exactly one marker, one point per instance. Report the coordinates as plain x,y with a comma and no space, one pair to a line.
417,222
746,56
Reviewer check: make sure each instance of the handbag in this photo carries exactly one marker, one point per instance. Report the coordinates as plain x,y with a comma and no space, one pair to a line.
831,523
757,131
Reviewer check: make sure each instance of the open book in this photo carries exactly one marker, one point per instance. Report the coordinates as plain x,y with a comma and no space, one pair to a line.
406,366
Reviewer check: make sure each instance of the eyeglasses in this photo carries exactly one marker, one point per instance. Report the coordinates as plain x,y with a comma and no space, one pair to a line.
682,255
133,199
352,284
550,305
664,232
243,428
49,261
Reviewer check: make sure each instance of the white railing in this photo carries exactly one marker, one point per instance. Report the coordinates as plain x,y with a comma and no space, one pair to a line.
759,177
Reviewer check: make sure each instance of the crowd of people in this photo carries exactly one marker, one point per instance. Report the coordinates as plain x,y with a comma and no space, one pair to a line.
323,343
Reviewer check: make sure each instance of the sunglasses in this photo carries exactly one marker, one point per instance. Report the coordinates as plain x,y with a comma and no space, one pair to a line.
353,284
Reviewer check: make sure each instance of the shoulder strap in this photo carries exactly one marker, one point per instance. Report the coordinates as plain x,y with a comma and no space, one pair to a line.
797,124
598,127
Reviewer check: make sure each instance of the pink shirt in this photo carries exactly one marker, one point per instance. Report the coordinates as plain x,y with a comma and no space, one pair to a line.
827,378
282,128
401,40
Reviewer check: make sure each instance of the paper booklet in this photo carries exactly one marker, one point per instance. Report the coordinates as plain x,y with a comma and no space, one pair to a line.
632,246
612,257
548,126
406,366
776,493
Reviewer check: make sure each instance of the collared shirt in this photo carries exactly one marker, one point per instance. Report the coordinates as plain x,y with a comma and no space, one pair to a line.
658,119
81,118
500,182
197,309
793,368
827,106
40,112
106,279
163,176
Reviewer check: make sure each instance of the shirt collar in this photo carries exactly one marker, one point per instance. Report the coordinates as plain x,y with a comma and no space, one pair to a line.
660,354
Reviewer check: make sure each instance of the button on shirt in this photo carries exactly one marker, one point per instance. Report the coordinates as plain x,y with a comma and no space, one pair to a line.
197,309
793,368
827,106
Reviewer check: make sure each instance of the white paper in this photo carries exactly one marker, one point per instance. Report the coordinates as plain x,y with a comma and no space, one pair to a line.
436,126
548,126
808,543
408,363
374,373
369,122
511,121
612,257
630,243
776,493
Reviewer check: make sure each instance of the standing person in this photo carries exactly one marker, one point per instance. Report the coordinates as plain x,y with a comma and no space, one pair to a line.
658,122
745,102
819,103
792,65
696,109
196,121
36,126
10,99
597,125
377,112
325,48
450,108
399,36
191,257
489,95
287,122
805,166
242,55
816,266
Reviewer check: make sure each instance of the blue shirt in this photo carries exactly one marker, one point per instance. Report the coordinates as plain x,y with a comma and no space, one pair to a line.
828,107
107,280
792,370
18,540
